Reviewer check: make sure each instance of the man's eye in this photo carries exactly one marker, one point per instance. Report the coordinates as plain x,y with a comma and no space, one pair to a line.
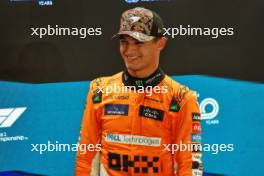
139,43
123,42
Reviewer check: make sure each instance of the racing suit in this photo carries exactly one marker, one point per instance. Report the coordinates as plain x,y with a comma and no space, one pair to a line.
135,133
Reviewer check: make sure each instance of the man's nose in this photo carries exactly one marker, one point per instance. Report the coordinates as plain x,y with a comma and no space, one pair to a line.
130,48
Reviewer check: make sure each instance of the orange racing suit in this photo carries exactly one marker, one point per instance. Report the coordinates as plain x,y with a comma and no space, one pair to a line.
135,133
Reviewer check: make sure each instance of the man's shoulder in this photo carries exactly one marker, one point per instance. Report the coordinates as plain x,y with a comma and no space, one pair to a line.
106,80
181,92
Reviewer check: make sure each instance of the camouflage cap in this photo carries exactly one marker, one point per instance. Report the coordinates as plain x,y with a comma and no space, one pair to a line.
141,24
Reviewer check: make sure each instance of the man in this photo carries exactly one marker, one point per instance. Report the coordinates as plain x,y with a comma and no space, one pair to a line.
137,133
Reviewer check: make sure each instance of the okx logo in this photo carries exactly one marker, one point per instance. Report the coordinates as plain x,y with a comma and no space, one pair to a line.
9,116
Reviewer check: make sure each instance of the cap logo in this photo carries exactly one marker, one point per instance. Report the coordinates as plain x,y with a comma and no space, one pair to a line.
134,19
137,35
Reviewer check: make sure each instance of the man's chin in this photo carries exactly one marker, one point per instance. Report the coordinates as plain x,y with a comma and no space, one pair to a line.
133,68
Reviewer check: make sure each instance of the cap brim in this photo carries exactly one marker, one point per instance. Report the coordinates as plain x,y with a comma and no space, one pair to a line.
136,35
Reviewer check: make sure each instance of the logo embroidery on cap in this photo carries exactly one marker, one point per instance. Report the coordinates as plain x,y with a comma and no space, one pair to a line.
134,19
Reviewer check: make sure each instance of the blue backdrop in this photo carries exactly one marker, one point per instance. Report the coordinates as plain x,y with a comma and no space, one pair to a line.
52,113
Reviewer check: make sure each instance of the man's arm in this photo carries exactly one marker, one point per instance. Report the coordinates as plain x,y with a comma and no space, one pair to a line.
187,124
90,134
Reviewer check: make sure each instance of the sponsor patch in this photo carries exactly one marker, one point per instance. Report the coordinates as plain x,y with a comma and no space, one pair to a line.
182,92
98,81
151,113
174,106
196,127
196,116
119,97
116,109
97,97
134,140
195,165
129,163
197,161
197,172
197,156
197,147
196,138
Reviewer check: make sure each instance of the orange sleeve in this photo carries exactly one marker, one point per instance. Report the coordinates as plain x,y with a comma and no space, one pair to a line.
90,134
183,135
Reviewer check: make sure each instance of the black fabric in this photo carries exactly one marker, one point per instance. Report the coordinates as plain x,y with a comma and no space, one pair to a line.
152,80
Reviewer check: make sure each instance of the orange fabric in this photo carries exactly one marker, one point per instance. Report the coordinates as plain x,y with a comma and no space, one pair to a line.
107,123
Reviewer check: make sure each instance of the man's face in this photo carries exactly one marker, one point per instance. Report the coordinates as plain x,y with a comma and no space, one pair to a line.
139,56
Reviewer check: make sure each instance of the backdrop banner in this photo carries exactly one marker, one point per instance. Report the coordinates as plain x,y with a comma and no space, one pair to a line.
40,124
51,49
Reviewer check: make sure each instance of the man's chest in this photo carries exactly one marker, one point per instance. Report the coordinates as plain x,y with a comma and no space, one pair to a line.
136,114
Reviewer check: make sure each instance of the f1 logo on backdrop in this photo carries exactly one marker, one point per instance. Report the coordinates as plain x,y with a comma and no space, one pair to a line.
209,116
9,116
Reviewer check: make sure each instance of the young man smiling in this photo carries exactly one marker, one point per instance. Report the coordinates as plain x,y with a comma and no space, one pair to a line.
141,58
136,132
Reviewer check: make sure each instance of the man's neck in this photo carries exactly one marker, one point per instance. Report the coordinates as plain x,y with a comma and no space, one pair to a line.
151,80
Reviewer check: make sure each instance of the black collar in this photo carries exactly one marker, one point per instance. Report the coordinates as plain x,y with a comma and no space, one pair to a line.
152,80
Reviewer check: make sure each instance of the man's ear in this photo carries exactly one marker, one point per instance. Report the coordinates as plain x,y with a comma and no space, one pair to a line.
162,42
